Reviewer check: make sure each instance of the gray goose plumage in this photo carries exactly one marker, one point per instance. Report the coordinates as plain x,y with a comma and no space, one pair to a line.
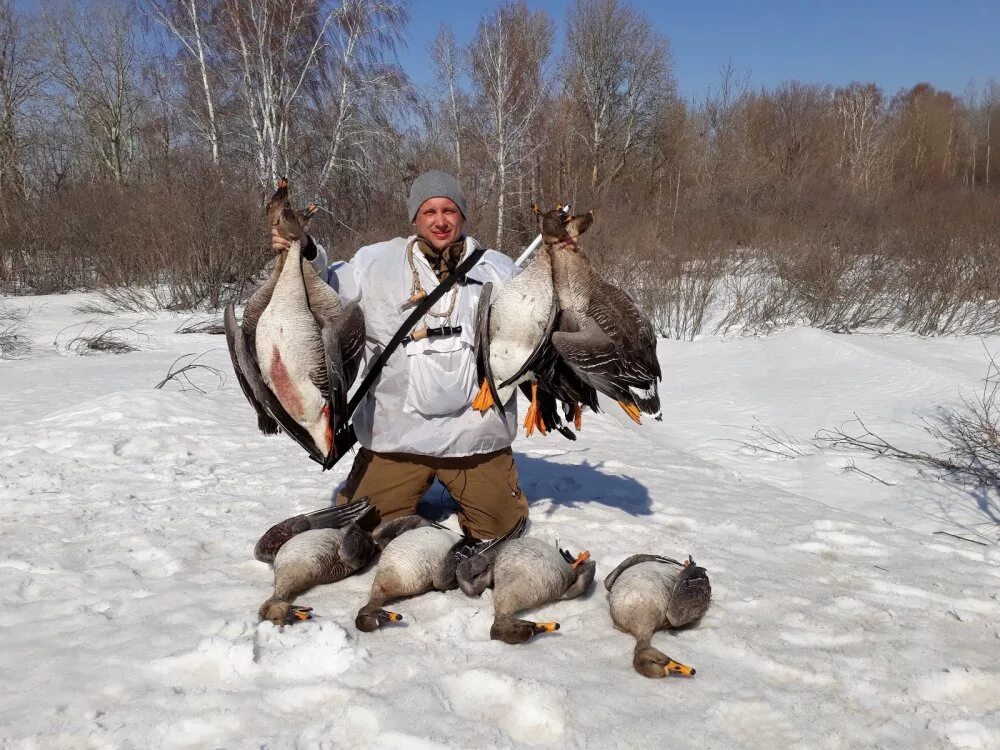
650,592
298,348
417,556
316,557
602,335
525,573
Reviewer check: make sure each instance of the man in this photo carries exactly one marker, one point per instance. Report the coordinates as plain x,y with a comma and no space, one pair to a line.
416,423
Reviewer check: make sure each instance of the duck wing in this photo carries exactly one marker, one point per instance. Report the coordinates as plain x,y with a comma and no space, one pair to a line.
397,526
343,340
628,562
264,402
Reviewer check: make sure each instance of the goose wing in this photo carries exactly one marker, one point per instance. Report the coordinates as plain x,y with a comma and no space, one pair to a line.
265,422
541,351
632,332
263,400
483,369
628,562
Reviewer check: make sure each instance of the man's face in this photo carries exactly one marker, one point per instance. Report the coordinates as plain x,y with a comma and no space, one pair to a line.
439,221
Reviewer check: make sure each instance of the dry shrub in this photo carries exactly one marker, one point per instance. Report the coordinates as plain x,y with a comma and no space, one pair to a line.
193,240
90,338
15,340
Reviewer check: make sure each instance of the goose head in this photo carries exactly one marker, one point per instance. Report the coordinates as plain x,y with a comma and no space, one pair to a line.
280,215
371,616
560,229
651,662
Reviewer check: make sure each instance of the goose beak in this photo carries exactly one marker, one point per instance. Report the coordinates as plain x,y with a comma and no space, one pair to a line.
673,667
299,614
386,616
581,559
546,627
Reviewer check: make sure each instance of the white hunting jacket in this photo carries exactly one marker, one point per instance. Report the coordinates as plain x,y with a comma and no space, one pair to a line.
422,401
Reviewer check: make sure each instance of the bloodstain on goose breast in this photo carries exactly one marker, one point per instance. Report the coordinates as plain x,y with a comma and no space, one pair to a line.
284,387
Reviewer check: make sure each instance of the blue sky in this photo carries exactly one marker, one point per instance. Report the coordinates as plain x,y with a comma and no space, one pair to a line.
890,42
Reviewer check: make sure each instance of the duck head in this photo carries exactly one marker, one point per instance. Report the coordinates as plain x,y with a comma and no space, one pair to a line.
371,616
559,228
651,662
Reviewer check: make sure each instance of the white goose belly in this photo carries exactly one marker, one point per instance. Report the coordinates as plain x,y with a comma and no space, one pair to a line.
412,558
289,348
519,317
642,588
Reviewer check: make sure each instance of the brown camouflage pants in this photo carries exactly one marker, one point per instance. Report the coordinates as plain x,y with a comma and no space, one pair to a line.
485,486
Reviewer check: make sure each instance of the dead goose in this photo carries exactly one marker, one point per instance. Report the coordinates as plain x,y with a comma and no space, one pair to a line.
525,573
513,332
298,349
649,592
603,336
315,557
418,556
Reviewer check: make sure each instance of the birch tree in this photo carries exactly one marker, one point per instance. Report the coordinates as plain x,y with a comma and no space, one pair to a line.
275,50
362,88
862,132
95,61
185,20
448,58
507,56
21,77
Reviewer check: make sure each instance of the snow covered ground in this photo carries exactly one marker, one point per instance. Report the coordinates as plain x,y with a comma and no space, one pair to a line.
128,591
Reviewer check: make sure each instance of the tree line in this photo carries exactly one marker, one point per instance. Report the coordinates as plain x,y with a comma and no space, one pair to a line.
138,140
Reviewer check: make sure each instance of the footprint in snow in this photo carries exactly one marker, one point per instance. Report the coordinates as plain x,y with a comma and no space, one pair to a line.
526,710
755,724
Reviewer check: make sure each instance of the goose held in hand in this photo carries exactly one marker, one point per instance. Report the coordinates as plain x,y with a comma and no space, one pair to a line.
298,348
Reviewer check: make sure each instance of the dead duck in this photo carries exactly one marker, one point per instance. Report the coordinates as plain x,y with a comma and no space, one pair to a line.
650,592
298,348
525,573
513,345
602,335
316,557
418,556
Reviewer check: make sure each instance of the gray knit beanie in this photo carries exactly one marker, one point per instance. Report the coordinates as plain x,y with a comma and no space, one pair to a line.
434,184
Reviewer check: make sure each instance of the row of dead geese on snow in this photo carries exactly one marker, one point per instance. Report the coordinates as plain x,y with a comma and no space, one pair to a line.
645,592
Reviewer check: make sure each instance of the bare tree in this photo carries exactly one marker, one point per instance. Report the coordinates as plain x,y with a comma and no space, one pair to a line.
617,69
362,90
275,48
508,55
95,60
862,131
185,20
447,57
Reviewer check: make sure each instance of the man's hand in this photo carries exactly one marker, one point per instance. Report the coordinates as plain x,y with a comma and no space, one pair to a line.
278,243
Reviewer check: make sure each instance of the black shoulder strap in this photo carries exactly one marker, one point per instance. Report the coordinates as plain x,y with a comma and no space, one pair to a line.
346,438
